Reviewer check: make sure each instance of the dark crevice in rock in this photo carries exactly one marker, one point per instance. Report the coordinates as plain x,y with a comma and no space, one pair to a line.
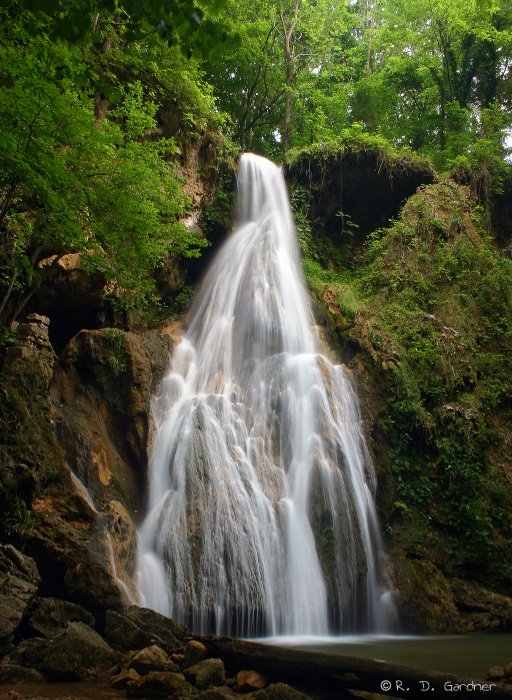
354,193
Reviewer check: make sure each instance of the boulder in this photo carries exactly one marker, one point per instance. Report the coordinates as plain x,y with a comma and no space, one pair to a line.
496,673
195,652
206,673
159,685
13,673
123,633
152,659
101,391
140,627
508,670
19,581
29,653
77,653
50,615
122,679
249,681
169,630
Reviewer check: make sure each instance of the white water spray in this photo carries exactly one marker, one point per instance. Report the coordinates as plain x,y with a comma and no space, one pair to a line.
261,514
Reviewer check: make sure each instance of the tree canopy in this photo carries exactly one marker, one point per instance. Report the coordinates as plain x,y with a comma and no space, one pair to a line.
432,75
82,167
74,178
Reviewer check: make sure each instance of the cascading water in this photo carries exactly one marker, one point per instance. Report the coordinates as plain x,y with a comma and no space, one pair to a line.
261,513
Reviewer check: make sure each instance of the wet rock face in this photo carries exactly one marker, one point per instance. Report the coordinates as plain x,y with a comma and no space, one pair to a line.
430,601
102,392
122,537
70,542
68,539
19,581
170,277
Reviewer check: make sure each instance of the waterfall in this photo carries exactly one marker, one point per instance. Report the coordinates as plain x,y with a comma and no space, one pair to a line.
261,517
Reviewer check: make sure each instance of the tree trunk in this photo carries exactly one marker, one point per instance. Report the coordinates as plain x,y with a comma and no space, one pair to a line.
288,30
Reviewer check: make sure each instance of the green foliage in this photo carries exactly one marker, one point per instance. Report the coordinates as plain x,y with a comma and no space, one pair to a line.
427,75
430,303
175,83
438,299
356,140
116,343
349,303
70,182
183,22
299,200
184,299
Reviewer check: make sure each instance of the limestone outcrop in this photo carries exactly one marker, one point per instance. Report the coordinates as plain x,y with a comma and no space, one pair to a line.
101,392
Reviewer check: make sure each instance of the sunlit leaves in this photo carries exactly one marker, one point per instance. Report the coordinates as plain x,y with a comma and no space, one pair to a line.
69,183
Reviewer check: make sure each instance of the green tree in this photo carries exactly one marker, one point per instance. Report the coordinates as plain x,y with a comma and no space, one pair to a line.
441,64
71,183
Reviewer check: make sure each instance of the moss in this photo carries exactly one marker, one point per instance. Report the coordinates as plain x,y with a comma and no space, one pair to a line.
429,308
343,191
356,141
117,357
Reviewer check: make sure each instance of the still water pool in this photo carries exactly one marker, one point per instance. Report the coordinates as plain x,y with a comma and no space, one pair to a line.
466,656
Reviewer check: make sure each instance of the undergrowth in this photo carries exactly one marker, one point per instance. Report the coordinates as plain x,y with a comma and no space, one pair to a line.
430,305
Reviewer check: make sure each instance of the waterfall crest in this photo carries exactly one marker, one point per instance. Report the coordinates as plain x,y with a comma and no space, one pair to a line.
261,515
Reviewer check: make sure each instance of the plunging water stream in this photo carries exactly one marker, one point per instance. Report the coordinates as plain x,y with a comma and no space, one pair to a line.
261,513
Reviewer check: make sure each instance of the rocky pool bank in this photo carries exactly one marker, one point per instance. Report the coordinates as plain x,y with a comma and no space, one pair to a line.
142,654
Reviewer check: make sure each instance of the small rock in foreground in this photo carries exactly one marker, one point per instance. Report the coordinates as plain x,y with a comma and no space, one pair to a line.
159,685
152,659
122,679
495,673
249,681
195,652
206,673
